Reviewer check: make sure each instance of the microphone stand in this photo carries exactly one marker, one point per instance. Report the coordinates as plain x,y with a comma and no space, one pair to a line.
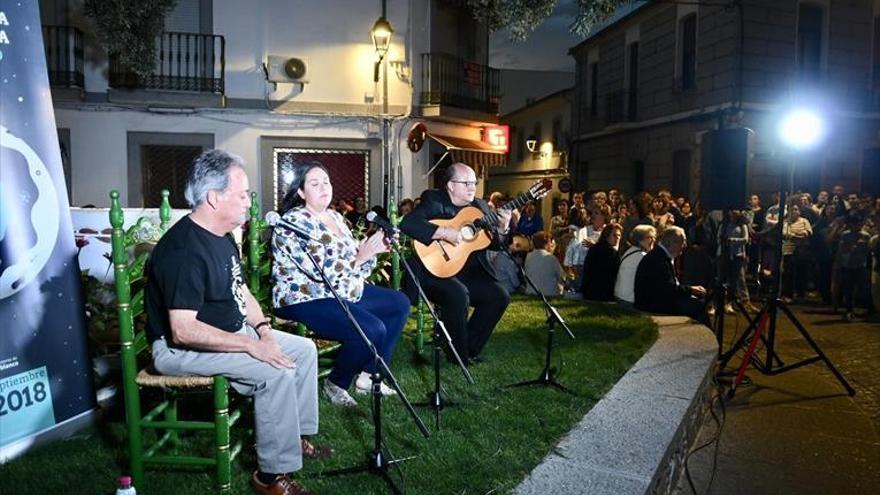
548,374
436,400
378,460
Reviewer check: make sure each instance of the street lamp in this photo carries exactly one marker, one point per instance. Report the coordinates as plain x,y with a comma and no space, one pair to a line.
381,34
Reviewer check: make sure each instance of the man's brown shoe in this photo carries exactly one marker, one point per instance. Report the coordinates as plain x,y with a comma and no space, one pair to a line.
312,451
283,485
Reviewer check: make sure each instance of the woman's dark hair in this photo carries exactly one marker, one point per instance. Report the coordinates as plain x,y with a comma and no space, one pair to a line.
291,198
606,232
560,203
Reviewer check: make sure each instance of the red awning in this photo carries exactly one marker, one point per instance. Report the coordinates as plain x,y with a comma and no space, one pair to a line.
474,153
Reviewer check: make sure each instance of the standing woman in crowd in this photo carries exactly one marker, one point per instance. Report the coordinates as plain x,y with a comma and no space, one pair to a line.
796,232
660,214
559,221
600,265
299,292
823,251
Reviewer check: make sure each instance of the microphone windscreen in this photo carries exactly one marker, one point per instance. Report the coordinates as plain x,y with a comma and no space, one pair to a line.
272,218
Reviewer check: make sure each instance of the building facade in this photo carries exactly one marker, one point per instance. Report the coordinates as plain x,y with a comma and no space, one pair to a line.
546,121
277,83
651,83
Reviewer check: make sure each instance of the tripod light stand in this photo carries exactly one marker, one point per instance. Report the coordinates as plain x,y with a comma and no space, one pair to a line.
800,130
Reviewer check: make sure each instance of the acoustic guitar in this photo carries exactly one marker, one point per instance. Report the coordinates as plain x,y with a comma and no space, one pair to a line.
444,259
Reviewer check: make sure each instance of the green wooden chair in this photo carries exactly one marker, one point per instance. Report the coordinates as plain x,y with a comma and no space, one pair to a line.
129,260
258,270
424,329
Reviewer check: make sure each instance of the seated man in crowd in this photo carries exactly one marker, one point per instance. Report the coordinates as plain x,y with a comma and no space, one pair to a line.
543,268
531,221
657,289
643,237
203,320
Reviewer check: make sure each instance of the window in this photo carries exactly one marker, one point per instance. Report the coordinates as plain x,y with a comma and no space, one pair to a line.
64,146
558,138
871,172
520,143
159,160
594,89
632,100
809,39
166,167
538,134
638,176
687,70
876,54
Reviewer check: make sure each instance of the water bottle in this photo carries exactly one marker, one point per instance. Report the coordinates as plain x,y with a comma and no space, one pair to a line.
124,486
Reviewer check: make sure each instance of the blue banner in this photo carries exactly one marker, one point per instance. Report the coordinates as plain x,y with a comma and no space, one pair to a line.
45,370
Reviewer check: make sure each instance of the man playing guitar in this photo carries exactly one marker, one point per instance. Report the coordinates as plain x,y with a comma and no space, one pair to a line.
476,284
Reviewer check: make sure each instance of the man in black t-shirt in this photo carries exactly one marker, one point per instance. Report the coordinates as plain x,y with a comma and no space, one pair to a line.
203,320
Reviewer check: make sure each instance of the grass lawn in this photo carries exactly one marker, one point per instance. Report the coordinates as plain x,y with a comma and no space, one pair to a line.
487,445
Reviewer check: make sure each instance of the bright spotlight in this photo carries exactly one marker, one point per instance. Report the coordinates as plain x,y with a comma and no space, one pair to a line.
801,129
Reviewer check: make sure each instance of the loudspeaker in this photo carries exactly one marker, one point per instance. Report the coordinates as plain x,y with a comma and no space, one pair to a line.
724,169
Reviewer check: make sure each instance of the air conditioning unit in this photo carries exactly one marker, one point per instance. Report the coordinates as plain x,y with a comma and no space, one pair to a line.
286,69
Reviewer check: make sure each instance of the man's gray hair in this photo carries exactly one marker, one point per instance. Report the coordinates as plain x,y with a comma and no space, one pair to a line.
641,232
210,172
671,236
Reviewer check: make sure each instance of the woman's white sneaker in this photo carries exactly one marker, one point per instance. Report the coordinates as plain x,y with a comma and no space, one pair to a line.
338,395
364,384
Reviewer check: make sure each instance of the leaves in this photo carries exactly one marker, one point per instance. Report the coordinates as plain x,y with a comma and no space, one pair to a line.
521,17
128,29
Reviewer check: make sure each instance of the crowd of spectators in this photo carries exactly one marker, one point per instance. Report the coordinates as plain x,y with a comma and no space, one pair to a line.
594,243
830,249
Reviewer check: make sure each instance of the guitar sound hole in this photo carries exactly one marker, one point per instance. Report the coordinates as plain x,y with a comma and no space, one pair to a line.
468,232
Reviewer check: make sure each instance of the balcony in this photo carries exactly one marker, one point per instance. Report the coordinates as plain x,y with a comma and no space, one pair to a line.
184,62
451,81
64,56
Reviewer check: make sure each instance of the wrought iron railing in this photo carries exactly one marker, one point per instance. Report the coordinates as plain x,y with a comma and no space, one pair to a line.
184,62
453,81
64,56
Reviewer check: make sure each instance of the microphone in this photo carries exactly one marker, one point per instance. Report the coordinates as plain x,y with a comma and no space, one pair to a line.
275,220
374,217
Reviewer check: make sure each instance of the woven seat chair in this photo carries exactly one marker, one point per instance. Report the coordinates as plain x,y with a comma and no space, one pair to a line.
258,272
129,260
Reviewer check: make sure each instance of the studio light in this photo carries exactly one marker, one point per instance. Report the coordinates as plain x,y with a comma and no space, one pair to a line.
801,129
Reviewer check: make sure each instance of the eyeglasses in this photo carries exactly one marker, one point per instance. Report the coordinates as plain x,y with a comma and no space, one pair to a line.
467,183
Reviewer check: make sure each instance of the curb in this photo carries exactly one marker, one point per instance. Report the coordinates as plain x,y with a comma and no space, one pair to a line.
634,440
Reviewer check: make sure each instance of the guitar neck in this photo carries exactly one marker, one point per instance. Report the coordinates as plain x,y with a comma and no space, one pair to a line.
516,202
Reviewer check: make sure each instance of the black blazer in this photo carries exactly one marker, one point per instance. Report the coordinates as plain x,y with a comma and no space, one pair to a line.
435,204
656,287
600,272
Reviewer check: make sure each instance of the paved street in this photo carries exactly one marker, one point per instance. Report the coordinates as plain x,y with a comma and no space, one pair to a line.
798,432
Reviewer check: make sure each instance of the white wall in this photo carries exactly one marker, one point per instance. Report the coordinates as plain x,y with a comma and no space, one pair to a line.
99,142
333,36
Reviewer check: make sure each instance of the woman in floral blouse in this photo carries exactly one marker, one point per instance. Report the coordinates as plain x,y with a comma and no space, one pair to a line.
299,292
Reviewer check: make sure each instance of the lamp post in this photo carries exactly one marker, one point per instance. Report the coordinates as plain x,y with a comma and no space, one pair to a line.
381,36
800,130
